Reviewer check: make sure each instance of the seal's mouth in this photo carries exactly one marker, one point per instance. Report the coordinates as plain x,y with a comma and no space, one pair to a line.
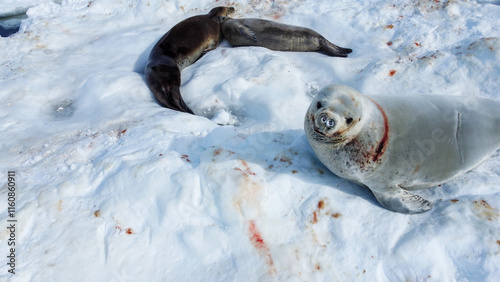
321,135
326,129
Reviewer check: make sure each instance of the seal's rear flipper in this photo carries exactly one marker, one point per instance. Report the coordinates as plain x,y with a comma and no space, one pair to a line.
247,32
399,200
332,49
163,80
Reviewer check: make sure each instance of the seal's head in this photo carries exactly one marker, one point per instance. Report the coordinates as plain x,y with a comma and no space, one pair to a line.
221,13
335,115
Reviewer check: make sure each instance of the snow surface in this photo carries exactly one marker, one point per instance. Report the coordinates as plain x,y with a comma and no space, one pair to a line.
113,187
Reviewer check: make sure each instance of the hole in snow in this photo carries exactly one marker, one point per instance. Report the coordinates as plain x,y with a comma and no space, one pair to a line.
10,24
63,109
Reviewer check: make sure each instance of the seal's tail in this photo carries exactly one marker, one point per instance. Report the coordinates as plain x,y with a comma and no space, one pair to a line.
332,49
164,82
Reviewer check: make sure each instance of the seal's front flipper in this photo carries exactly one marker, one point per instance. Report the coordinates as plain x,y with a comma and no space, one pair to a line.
399,200
247,32
332,49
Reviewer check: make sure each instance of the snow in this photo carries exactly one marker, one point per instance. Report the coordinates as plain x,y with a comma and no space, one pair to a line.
113,187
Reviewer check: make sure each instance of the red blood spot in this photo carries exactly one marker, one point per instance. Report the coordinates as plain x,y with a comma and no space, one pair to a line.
416,44
217,152
97,213
390,26
336,215
185,157
256,237
321,204
285,159
389,43
454,200
123,131
258,243
247,168
160,155
129,231
483,203
315,218
118,228
392,72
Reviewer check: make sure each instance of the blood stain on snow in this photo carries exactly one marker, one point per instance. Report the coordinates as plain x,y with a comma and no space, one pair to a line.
284,159
127,231
317,213
315,217
120,133
390,26
389,43
246,168
218,152
97,213
392,72
336,215
485,210
185,157
321,204
454,200
261,246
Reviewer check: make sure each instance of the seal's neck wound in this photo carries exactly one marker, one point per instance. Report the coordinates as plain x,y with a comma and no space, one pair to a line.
380,150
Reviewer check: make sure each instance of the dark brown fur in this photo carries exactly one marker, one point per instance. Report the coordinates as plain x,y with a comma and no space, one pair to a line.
181,46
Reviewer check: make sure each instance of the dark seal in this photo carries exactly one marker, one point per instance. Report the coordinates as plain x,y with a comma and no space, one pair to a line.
279,37
180,47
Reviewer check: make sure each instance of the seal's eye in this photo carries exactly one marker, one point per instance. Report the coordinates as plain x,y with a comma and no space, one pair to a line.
330,123
319,105
348,120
